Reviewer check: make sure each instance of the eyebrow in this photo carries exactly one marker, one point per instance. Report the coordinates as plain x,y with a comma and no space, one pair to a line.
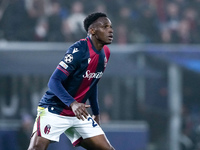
101,23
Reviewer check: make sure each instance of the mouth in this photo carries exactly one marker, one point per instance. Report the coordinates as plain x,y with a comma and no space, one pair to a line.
110,37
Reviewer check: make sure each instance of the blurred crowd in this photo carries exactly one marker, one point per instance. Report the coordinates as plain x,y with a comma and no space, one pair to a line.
138,21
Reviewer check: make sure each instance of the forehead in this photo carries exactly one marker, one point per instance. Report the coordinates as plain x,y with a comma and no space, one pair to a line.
102,21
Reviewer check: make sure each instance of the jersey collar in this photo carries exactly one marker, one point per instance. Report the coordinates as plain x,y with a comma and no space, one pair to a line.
98,52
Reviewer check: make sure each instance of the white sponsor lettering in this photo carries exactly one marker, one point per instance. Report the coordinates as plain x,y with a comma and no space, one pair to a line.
91,75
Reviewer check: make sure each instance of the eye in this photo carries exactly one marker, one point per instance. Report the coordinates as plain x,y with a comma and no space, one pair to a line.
108,26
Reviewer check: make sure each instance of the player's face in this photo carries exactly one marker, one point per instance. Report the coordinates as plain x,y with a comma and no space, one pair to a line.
103,30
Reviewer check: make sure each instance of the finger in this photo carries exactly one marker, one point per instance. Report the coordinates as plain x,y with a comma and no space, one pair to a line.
81,117
85,111
80,114
87,106
85,114
77,114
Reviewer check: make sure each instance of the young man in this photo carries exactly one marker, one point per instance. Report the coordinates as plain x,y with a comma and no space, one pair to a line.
62,109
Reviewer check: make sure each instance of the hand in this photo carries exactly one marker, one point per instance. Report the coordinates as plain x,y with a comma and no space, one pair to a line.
80,110
96,118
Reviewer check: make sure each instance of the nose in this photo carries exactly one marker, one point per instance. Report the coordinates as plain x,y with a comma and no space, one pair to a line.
111,30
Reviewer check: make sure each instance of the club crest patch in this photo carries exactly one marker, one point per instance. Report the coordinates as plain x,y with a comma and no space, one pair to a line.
68,58
47,129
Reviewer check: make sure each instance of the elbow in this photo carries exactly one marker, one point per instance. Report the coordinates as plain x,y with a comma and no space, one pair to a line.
53,82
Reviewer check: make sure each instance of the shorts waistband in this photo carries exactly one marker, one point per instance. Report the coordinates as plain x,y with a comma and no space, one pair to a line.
40,108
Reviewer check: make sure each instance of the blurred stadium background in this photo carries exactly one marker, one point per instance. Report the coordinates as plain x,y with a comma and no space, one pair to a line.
149,94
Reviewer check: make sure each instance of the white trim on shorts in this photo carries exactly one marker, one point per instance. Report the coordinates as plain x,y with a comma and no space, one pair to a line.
51,126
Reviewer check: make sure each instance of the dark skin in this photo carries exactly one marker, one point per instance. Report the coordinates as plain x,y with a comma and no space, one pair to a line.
101,33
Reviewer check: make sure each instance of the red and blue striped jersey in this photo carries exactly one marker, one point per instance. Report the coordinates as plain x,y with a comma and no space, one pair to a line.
76,78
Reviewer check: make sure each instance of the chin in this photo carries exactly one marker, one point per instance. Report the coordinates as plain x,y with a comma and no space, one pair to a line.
108,42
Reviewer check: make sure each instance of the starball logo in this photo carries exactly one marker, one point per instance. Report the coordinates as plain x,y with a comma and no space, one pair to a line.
91,75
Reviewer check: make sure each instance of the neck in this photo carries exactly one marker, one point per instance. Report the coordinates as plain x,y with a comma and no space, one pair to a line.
96,42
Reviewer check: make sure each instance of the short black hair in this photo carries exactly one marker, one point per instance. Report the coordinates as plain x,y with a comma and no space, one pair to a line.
92,18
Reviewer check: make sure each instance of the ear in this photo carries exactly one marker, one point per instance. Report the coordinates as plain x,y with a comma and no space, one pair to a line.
92,31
